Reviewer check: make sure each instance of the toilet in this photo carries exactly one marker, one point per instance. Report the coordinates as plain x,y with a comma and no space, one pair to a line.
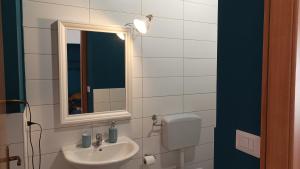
181,131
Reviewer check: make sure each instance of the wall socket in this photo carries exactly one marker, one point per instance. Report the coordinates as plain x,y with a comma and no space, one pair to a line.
248,143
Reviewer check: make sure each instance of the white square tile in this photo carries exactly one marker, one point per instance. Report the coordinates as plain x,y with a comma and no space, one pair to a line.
165,8
200,31
131,129
40,41
41,66
101,95
162,105
137,67
117,94
99,17
169,160
200,153
162,86
102,106
131,164
199,102
206,2
162,47
204,84
17,150
200,49
208,117
200,67
168,28
53,140
162,67
42,92
118,105
130,6
148,129
152,145
137,46
46,115
137,87
201,165
139,142
78,3
200,12
12,126
137,108
207,135
45,15
51,161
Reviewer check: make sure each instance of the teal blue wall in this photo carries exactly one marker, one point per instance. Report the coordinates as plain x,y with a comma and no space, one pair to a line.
106,61
13,52
74,83
240,42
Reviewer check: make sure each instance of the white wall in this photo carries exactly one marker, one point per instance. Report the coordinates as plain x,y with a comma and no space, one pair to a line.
73,36
11,126
174,72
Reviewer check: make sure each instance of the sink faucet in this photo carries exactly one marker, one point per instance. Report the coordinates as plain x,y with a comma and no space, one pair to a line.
99,140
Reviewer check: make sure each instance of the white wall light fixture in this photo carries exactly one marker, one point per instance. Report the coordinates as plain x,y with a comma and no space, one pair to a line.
140,25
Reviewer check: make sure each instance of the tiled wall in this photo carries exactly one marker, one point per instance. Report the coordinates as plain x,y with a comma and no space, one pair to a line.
174,71
109,99
11,126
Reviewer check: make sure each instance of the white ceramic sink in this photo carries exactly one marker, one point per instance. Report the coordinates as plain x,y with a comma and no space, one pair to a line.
105,155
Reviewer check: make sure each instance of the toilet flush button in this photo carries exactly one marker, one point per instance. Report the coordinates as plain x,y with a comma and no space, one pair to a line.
251,145
244,142
248,143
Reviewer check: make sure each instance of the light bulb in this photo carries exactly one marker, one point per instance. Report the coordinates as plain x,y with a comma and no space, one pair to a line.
141,25
121,36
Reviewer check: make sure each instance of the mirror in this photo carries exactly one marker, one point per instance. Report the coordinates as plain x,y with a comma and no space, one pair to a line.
96,71
94,79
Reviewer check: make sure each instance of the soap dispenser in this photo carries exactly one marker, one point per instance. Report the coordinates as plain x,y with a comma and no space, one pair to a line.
113,133
86,140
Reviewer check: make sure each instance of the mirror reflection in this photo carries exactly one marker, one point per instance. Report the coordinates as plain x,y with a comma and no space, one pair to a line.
96,72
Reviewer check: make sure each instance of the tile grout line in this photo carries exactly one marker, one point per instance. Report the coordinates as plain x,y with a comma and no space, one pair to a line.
142,102
137,77
59,4
183,61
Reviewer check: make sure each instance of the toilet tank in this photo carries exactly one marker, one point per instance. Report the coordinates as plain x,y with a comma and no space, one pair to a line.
180,131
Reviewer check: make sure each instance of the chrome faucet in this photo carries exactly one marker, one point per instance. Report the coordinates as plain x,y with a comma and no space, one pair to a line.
99,140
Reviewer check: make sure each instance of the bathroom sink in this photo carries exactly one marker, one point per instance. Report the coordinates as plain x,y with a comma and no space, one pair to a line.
105,155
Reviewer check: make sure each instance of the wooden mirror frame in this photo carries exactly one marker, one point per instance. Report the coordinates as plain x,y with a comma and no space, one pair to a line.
2,74
65,118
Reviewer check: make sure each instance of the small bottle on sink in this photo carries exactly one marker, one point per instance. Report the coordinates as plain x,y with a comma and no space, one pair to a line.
113,133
